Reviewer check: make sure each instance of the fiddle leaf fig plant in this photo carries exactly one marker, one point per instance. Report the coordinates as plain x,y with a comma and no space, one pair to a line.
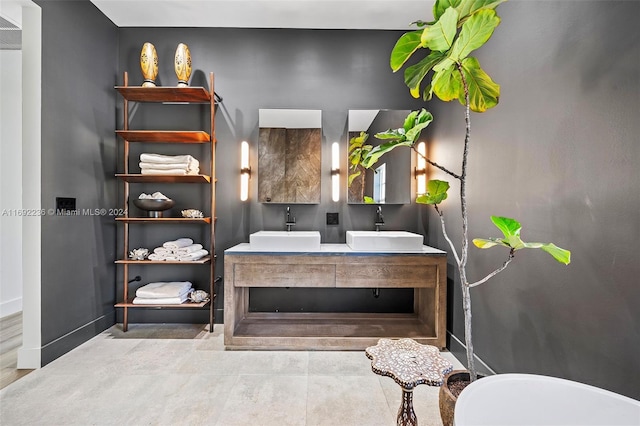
447,70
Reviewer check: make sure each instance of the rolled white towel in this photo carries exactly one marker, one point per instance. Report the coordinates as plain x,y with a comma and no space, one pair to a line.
179,243
188,249
196,255
162,257
161,300
164,289
162,251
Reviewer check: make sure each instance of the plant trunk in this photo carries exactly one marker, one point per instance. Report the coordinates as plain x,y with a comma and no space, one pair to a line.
466,294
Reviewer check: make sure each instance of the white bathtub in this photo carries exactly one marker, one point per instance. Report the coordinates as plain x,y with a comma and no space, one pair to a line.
528,399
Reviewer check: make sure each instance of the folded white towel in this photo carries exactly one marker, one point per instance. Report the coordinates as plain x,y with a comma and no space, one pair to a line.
180,172
190,257
161,301
189,168
166,159
164,289
179,243
188,249
161,166
163,257
162,251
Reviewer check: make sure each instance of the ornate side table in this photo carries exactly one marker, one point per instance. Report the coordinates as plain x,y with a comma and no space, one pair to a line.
409,364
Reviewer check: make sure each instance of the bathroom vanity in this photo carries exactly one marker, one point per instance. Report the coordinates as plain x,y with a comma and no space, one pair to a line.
333,266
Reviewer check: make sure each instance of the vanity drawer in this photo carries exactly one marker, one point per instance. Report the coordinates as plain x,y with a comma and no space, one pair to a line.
380,275
284,275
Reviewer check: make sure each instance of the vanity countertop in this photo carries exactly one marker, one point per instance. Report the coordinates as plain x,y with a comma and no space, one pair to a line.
333,250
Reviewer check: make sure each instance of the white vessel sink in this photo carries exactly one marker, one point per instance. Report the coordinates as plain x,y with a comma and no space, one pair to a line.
384,240
285,241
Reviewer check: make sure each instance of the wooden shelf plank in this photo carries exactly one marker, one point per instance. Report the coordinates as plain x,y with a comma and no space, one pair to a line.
165,94
166,136
164,219
140,178
326,331
202,261
185,305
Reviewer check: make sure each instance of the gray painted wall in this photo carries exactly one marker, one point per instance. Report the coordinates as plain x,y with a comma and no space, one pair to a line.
560,154
79,49
330,70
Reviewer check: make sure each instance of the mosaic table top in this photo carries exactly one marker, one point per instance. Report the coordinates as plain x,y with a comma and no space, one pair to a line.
408,362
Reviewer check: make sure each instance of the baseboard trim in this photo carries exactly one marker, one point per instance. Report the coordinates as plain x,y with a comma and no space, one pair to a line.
69,341
459,350
29,358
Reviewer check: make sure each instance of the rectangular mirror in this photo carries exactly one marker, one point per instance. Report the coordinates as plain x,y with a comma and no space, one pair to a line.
389,180
289,154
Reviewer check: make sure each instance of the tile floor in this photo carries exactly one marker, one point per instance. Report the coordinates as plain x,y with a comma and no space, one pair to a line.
181,375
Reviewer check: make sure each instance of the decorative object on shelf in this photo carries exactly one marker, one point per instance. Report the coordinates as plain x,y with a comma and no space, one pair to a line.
153,204
182,65
149,64
192,213
198,296
139,254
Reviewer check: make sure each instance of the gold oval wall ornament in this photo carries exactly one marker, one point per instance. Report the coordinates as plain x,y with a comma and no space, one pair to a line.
182,64
149,64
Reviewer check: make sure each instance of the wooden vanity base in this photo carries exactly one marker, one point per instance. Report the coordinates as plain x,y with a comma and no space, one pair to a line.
424,272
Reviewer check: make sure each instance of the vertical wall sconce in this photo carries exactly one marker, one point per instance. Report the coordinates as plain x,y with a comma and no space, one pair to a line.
421,169
245,171
335,171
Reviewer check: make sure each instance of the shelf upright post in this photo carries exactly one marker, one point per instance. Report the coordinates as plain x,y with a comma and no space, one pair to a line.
125,267
212,227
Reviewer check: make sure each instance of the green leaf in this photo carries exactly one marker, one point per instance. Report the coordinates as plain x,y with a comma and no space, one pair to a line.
414,74
352,177
441,6
439,36
391,134
436,192
475,32
378,151
368,200
559,254
468,7
406,45
414,134
483,92
410,120
509,227
437,187
447,84
484,243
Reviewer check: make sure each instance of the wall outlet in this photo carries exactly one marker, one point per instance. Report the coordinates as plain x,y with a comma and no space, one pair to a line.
332,219
64,204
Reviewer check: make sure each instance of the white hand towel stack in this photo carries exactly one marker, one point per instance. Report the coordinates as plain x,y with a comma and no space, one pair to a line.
158,164
163,293
182,249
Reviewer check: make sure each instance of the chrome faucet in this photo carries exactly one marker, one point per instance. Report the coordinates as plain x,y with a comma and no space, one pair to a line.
290,220
379,218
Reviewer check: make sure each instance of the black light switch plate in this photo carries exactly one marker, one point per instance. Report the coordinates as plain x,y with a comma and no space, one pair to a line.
332,219
64,204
